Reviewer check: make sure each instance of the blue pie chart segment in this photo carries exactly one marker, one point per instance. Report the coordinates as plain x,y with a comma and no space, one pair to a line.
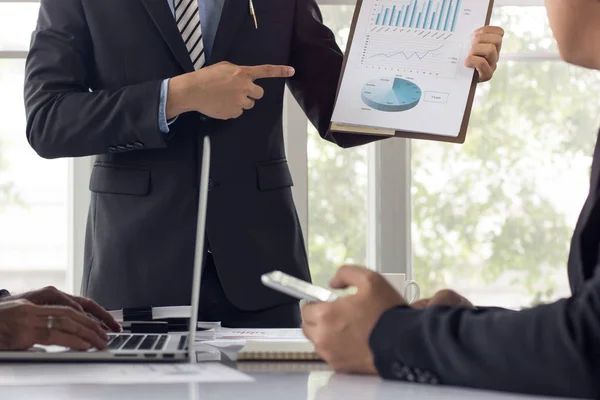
391,94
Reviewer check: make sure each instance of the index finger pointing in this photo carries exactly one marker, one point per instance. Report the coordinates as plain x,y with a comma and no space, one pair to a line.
270,71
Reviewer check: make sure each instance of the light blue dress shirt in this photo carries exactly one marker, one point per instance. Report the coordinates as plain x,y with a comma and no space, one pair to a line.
210,14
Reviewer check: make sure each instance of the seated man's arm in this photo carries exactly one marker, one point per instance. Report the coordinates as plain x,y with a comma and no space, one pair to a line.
552,349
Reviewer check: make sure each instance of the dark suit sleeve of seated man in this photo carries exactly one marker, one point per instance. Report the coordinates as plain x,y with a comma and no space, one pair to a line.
550,350
318,60
69,114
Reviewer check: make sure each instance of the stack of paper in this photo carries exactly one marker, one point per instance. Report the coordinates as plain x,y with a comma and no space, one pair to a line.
260,344
270,350
204,335
208,325
262,334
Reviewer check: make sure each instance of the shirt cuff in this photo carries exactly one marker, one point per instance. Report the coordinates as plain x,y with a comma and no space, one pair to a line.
163,124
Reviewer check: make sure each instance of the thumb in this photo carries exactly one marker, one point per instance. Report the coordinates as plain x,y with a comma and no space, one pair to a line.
350,275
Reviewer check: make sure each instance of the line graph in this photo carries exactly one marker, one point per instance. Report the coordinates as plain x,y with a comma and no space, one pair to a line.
416,56
408,55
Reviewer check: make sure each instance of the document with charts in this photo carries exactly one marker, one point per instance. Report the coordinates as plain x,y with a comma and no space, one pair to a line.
404,72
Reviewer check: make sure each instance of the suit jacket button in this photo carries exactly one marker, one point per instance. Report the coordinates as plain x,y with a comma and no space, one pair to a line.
138,145
112,149
211,185
122,149
130,147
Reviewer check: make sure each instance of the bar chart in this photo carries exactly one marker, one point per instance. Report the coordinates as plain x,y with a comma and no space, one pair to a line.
438,15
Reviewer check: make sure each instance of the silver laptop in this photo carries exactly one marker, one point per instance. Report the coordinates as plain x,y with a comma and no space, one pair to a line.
143,347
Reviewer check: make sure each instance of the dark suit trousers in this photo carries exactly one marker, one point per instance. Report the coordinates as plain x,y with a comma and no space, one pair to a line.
215,306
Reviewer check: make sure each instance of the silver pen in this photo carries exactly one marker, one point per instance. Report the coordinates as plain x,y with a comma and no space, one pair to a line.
253,13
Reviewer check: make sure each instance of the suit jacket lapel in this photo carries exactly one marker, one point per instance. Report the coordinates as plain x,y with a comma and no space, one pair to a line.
163,19
229,24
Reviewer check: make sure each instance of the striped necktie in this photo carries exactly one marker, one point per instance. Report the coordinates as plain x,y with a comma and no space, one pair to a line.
187,16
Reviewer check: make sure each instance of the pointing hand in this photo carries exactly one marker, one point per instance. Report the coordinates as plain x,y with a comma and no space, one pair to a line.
221,91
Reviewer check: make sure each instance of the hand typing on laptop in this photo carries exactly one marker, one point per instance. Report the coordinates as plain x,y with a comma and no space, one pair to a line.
51,317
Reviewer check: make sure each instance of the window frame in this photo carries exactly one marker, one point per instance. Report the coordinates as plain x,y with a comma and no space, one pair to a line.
79,171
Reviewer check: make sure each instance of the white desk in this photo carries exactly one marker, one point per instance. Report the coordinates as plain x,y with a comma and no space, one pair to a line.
316,383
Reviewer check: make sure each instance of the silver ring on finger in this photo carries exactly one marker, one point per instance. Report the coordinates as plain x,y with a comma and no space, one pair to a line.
50,322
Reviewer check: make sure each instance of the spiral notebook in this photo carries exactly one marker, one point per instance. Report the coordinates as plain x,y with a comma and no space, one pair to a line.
288,350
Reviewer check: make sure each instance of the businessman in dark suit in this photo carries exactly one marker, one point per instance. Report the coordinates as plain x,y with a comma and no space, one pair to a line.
552,349
139,83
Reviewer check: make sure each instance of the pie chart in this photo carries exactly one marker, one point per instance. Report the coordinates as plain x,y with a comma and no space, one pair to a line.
391,94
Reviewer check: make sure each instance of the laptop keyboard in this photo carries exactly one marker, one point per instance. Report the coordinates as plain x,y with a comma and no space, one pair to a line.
161,342
183,341
117,341
142,342
149,342
133,342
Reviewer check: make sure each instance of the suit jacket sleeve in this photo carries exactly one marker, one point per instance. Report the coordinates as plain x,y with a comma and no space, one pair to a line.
318,63
549,350
68,113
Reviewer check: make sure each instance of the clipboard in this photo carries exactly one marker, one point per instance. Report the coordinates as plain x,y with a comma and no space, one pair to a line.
336,128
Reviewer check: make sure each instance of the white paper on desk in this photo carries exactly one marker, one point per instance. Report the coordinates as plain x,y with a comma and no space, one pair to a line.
262,334
205,335
231,347
101,373
222,343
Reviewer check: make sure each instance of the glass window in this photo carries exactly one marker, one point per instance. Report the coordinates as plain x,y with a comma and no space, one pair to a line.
17,21
337,194
33,191
493,218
